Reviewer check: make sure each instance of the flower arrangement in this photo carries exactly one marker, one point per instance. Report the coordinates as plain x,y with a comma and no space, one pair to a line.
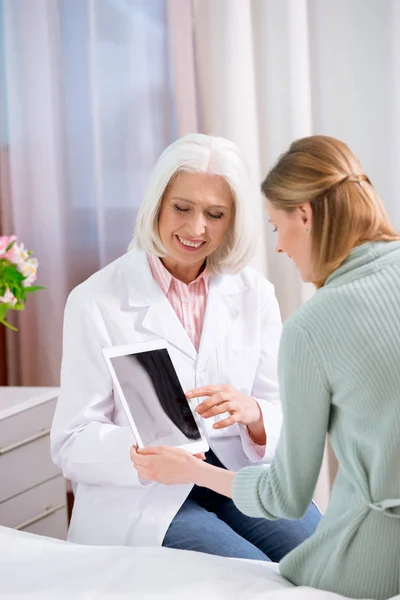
17,274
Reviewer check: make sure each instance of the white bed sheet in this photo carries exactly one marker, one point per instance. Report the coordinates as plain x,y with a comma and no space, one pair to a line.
33,566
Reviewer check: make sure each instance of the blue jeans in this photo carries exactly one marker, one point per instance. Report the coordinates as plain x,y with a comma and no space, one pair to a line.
211,523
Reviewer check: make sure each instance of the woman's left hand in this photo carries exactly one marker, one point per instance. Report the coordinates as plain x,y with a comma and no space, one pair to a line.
165,464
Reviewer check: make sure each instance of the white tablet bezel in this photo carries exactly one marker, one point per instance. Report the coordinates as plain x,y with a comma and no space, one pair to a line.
110,352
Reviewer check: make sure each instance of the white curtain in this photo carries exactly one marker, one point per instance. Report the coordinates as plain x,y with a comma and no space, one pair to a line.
246,65
270,71
86,108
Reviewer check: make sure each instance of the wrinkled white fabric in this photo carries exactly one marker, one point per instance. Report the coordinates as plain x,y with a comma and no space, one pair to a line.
33,566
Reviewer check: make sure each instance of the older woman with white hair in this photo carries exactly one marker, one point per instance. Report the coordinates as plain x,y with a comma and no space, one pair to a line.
184,280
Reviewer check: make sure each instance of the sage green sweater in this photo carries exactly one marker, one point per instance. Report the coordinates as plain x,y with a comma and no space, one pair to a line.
339,372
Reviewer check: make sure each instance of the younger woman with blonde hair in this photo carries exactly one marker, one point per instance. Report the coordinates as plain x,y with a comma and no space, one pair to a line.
338,373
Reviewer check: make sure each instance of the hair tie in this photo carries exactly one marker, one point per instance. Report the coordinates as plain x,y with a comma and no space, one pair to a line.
353,178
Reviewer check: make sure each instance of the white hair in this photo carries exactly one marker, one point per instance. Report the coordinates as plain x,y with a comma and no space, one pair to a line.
198,153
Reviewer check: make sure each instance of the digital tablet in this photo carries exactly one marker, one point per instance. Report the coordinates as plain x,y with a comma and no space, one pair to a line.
152,397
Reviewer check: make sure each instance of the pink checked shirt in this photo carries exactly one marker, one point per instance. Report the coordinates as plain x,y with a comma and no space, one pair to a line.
188,301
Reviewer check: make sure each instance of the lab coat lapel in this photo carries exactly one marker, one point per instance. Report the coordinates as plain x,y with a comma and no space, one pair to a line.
159,316
162,320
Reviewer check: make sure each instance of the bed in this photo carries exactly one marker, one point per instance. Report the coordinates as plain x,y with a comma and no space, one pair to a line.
33,566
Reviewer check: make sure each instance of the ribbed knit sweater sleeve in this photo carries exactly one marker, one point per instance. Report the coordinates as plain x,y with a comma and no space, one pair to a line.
285,488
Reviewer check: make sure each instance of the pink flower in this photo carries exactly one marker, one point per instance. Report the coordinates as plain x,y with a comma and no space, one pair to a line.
28,268
5,241
17,254
8,298
17,258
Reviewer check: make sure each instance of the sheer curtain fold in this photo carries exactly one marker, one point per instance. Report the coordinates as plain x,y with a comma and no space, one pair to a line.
271,71
282,63
243,49
87,106
180,17
35,150
226,86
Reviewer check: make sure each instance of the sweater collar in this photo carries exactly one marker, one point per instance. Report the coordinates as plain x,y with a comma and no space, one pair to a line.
365,260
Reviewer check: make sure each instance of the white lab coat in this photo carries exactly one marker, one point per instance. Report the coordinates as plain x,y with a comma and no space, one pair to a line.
90,438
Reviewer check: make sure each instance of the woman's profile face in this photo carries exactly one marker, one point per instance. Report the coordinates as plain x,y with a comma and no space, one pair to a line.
196,212
294,235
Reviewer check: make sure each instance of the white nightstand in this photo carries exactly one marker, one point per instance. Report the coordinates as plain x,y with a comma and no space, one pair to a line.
32,489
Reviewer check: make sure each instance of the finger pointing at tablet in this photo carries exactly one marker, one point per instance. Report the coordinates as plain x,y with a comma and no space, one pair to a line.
225,399
241,408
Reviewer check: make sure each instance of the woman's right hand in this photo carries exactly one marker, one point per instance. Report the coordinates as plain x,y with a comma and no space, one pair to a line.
165,464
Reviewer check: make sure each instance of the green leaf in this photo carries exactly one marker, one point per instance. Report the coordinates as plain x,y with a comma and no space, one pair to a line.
10,245
3,310
33,288
17,306
11,274
18,291
3,322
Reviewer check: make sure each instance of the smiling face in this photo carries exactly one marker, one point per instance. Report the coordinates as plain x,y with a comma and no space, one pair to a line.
196,212
293,230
